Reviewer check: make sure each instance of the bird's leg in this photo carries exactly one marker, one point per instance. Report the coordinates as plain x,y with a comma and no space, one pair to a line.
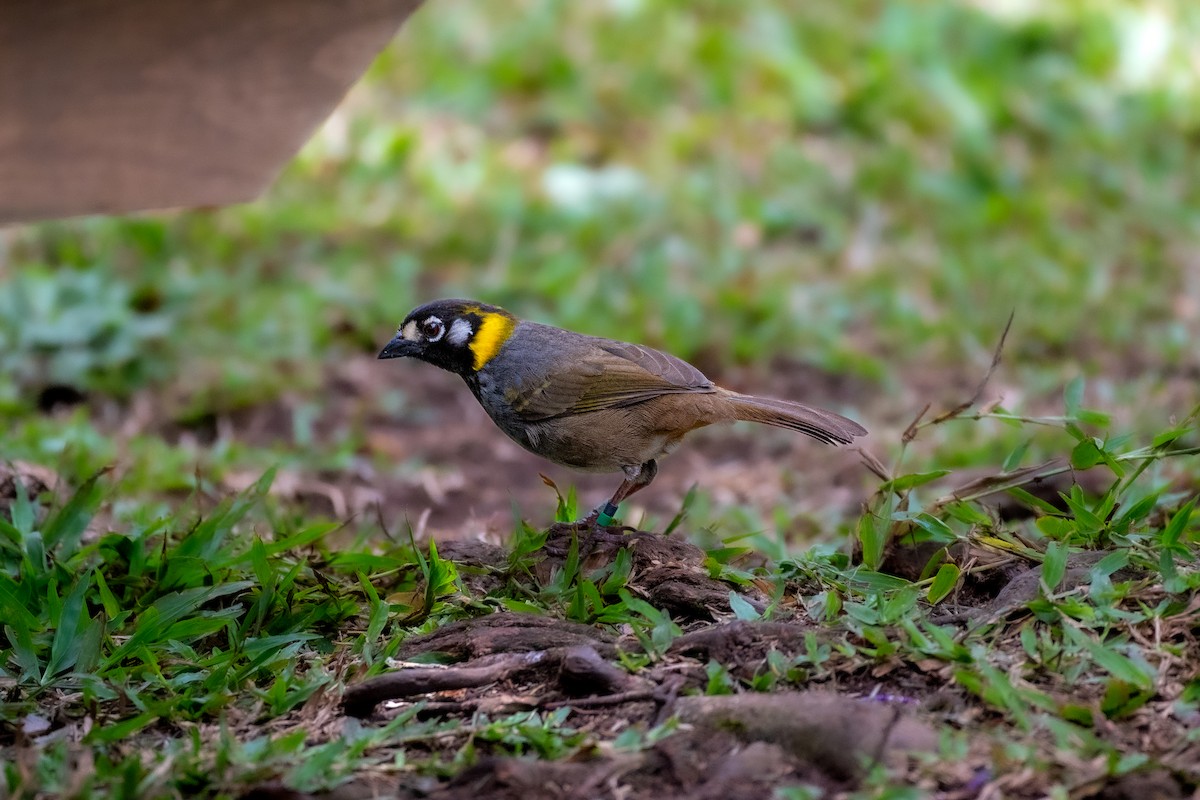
636,479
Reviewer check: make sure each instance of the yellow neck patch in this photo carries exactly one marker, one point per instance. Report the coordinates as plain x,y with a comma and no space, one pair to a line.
493,332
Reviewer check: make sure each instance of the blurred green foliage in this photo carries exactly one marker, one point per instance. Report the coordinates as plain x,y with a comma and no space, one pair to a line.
69,328
867,186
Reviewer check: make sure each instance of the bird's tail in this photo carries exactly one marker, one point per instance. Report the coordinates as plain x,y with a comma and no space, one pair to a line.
818,423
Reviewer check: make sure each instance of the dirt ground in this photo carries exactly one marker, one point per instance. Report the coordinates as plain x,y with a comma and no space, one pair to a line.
827,730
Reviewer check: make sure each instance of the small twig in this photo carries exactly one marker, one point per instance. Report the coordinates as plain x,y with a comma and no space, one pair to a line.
910,432
991,484
582,669
873,464
601,701
360,700
444,707
669,692
916,425
877,756
383,525
1002,482
996,355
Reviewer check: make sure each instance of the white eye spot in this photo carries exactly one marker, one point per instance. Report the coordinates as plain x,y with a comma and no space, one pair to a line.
433,329
460,331
409,331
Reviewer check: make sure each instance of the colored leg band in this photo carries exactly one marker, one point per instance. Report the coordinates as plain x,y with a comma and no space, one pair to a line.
607,513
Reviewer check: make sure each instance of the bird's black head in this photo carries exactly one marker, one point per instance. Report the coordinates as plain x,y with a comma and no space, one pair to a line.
457,335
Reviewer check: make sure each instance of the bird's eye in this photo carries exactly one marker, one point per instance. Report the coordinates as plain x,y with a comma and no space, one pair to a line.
432,329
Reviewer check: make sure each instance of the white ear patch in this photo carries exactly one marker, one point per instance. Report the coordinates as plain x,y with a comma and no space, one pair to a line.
460,332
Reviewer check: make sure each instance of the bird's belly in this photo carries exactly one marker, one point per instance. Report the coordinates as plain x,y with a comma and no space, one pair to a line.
595,453
592,442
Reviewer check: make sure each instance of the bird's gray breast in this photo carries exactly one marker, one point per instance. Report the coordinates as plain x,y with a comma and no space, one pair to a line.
493,387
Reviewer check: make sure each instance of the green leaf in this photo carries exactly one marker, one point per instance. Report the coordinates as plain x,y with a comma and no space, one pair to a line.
521,606
741,608
1073,396
35,553
1029,643
1137,512
1086,454
726,555
621,568
115,732
1056,528
1013,461
933,563
688,500
878,581
906,482
64,651
1122,699
1117,559
1170,575
1167,437
832,606
111,607
11,539
1034,501
938,531
154,622
63,528
943,583
1054,565
872,535
566,575
1178,524
567,509
12,608
900,603
91,638
1090,416
1117,665
21,509
1085,518
24,651
969,513
379,610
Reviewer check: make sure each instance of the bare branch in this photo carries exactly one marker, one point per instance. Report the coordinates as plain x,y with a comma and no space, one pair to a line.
979,390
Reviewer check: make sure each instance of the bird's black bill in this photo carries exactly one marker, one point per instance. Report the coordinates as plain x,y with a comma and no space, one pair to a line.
398,347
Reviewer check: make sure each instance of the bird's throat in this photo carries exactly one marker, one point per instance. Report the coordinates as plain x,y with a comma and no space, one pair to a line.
494,330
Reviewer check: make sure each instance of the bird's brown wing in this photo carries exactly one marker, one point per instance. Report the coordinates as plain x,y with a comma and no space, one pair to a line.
607,374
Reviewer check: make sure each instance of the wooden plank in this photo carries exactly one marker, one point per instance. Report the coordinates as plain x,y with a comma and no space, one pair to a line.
111,106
